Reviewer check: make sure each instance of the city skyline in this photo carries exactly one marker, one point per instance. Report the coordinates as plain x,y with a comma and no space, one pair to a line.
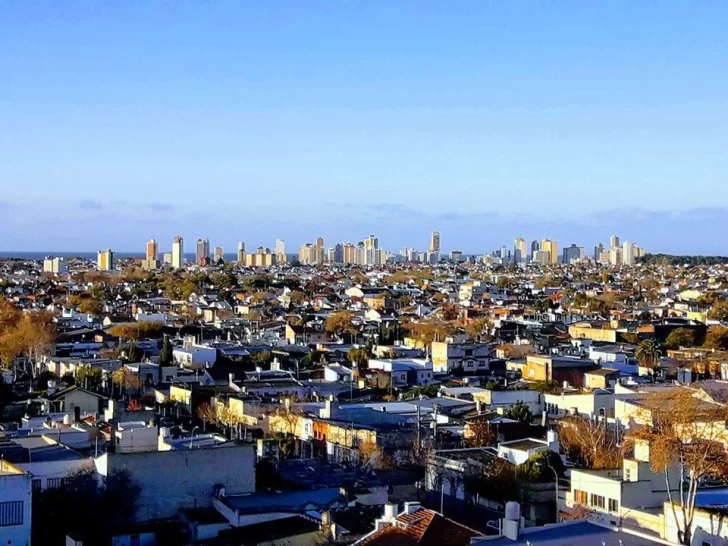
515,116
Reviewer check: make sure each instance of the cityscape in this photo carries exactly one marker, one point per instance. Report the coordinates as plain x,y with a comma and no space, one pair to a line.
363,273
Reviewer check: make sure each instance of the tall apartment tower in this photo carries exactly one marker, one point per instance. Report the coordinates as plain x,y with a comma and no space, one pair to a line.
613,242
219,254
152,250
520,251
241,252
320,242
371,251
281,251
202,250
178,252
435,242
629,253
105,260
552,247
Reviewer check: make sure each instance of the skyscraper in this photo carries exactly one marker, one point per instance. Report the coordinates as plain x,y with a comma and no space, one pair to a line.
598,249
241,253
613,242
535,247
202,250
281,251
519,250
552,247
435,242
572,252
105,260
339,253
629,253
218,254
371,251
178,252
152,250
320,242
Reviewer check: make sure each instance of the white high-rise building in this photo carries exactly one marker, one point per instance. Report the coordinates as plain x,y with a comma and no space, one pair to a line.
613,242
520,251
178,252
629,253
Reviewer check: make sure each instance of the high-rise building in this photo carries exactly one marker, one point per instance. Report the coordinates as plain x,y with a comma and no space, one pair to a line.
178,252
371,251
535,247
598,249
331,255
572,252
105,260
339,253
552,247
520,251
281,257
629,253
263,257
219,255
615,256
541,257
152,250
55,265
241,253
435,242
350,253
320,242
613,242
310,254
202,250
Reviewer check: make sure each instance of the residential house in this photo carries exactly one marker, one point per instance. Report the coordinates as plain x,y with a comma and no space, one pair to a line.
468,357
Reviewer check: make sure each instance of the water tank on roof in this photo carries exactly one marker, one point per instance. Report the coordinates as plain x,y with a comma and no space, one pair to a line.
66,419
513,511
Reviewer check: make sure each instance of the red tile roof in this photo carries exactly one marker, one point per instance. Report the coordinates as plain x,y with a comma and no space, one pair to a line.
422,528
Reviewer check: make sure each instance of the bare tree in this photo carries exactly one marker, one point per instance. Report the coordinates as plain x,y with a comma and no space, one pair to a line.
687,438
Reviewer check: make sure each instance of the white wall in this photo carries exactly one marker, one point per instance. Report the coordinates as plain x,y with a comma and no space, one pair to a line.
17,487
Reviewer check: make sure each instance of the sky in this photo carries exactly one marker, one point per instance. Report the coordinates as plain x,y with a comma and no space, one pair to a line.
251,121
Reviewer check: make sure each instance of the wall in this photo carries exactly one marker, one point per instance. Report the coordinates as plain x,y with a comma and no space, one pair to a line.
15,485
172,480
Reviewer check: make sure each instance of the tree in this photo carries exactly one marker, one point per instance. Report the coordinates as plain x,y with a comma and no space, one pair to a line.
476,327
590,443
88,377
27,334
208,414
340,323
165,353
132,353
536,468
716,338
359,356
90,306
137,330
478,433
520,412
648,354
685,437
719,310
126,379
680,337
261,358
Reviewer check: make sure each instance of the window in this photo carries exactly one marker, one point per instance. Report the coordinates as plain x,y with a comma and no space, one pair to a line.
580,496
11,513
54,483
597,501
627,474
36,484
531,372
614,506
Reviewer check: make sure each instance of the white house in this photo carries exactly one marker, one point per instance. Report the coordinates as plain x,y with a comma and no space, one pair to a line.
16,493
405,371
519,451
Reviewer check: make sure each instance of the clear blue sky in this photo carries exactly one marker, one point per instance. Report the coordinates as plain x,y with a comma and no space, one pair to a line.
121,121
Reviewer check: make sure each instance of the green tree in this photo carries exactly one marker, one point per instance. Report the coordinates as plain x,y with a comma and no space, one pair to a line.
680,337
649,353
717,338
520,412
133,354
88,377
165,354
359,356
536,468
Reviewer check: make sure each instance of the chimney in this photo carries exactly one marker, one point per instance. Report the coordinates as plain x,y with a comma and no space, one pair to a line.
389,512
553,439
411,507
512,520
479,406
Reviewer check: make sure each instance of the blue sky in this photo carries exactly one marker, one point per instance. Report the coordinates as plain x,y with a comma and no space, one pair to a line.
121,121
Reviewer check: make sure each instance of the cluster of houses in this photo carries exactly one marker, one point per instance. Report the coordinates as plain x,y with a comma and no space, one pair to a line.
296,405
